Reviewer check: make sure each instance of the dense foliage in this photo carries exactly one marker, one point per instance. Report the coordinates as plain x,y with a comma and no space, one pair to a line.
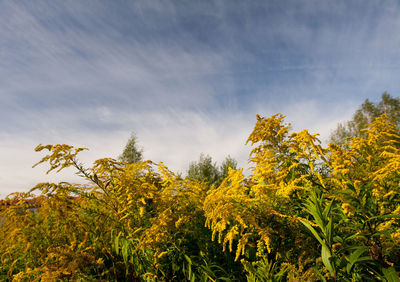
304,213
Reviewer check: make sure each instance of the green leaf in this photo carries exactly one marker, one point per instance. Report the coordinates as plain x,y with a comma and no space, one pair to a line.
116,244
124,251
315,211
390,274
329,232
313,231
338,239
190,275
354,257
188,259
327,209
326,255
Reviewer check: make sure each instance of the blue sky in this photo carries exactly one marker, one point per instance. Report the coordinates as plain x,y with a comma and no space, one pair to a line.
186,76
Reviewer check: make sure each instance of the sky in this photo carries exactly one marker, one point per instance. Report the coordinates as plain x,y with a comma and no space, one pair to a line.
188,77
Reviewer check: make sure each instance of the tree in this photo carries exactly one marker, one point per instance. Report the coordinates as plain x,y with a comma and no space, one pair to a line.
365,115
206,170
132,154
229,162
